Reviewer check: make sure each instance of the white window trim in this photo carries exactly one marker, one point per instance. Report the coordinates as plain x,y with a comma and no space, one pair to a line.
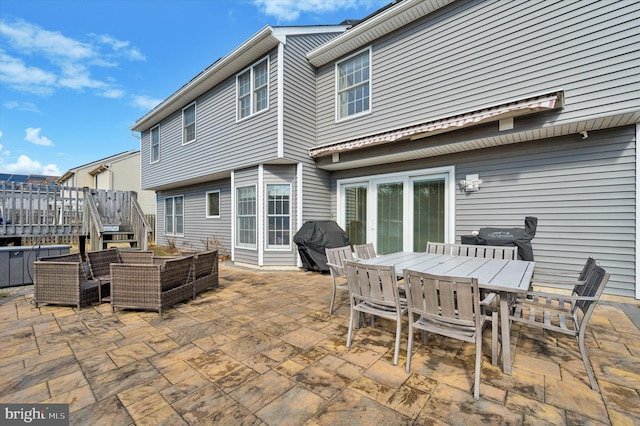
409,175
156,127
206,205
174,234
275,247
195,123
238,243
337,86
251,68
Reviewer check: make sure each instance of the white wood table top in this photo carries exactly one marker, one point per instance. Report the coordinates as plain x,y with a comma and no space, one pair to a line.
512,276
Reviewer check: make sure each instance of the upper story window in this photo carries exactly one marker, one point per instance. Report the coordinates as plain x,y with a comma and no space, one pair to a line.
253,89
155,144
353,95
213,204
189,124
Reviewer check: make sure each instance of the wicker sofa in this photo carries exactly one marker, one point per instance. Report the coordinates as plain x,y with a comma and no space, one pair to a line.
62,280
151,286
205,271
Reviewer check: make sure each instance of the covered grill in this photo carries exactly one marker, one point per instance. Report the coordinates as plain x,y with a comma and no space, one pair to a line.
315,236
511,237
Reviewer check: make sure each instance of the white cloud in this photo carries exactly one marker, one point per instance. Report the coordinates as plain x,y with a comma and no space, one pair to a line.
22,106
33,136
122,47
18,75
113,93
39,61
290,10
26,166
32,39
145,102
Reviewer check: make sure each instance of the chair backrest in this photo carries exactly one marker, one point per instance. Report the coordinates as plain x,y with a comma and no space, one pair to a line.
176,272
450,300
337,256
587,268
100,261
593,287
487,252
365,251
205,263
436,248
136,256
372,283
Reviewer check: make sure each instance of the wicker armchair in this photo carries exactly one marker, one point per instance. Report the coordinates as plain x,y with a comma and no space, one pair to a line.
151,287
136,256
62,280
205,271
100,261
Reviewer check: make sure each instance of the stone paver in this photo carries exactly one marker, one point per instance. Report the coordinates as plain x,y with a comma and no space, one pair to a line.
262,350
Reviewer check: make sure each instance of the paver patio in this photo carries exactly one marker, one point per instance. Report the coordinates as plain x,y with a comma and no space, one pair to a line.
263,350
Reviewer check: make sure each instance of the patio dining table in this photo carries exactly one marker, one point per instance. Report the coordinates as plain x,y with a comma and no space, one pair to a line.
504,277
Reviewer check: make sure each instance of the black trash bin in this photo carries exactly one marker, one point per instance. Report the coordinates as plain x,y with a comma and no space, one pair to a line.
510,237
315,236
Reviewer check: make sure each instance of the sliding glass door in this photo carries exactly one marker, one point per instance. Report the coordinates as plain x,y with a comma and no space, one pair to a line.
397,212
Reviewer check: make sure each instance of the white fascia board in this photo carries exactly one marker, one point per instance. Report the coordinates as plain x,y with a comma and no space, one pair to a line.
374,28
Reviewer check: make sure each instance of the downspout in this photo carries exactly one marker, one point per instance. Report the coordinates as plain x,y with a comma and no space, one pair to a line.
280,95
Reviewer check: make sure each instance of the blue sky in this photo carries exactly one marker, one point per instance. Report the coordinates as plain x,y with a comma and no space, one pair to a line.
76,74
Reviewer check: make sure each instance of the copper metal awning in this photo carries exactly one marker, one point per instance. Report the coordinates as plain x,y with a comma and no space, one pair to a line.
537,103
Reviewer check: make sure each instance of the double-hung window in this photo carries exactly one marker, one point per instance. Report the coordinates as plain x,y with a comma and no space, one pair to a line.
353,95
278,215
246,219
253,89
155,144
189,124
213,204
174,215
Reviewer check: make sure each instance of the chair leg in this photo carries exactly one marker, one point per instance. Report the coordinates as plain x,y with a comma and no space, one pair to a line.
333,296
396,352
587,363
494,338
409,347
476,381
351,318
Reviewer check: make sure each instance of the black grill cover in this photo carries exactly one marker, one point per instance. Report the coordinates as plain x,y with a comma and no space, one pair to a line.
315,236
517,237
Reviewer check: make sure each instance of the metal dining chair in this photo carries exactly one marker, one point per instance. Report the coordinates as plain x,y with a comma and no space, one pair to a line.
448,306
335,262
563,313
373,289
365,251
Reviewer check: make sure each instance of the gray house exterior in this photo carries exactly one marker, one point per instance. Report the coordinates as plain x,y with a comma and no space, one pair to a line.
425,121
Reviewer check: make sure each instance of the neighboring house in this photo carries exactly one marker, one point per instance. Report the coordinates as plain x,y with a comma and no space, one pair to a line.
119,172
34,179
534,105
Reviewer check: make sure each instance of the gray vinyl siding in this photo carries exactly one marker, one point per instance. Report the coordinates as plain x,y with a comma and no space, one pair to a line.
581,191
222,143
198,229
473,54
300,121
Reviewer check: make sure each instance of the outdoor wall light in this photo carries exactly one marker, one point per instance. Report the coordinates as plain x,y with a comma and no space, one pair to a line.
471,183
